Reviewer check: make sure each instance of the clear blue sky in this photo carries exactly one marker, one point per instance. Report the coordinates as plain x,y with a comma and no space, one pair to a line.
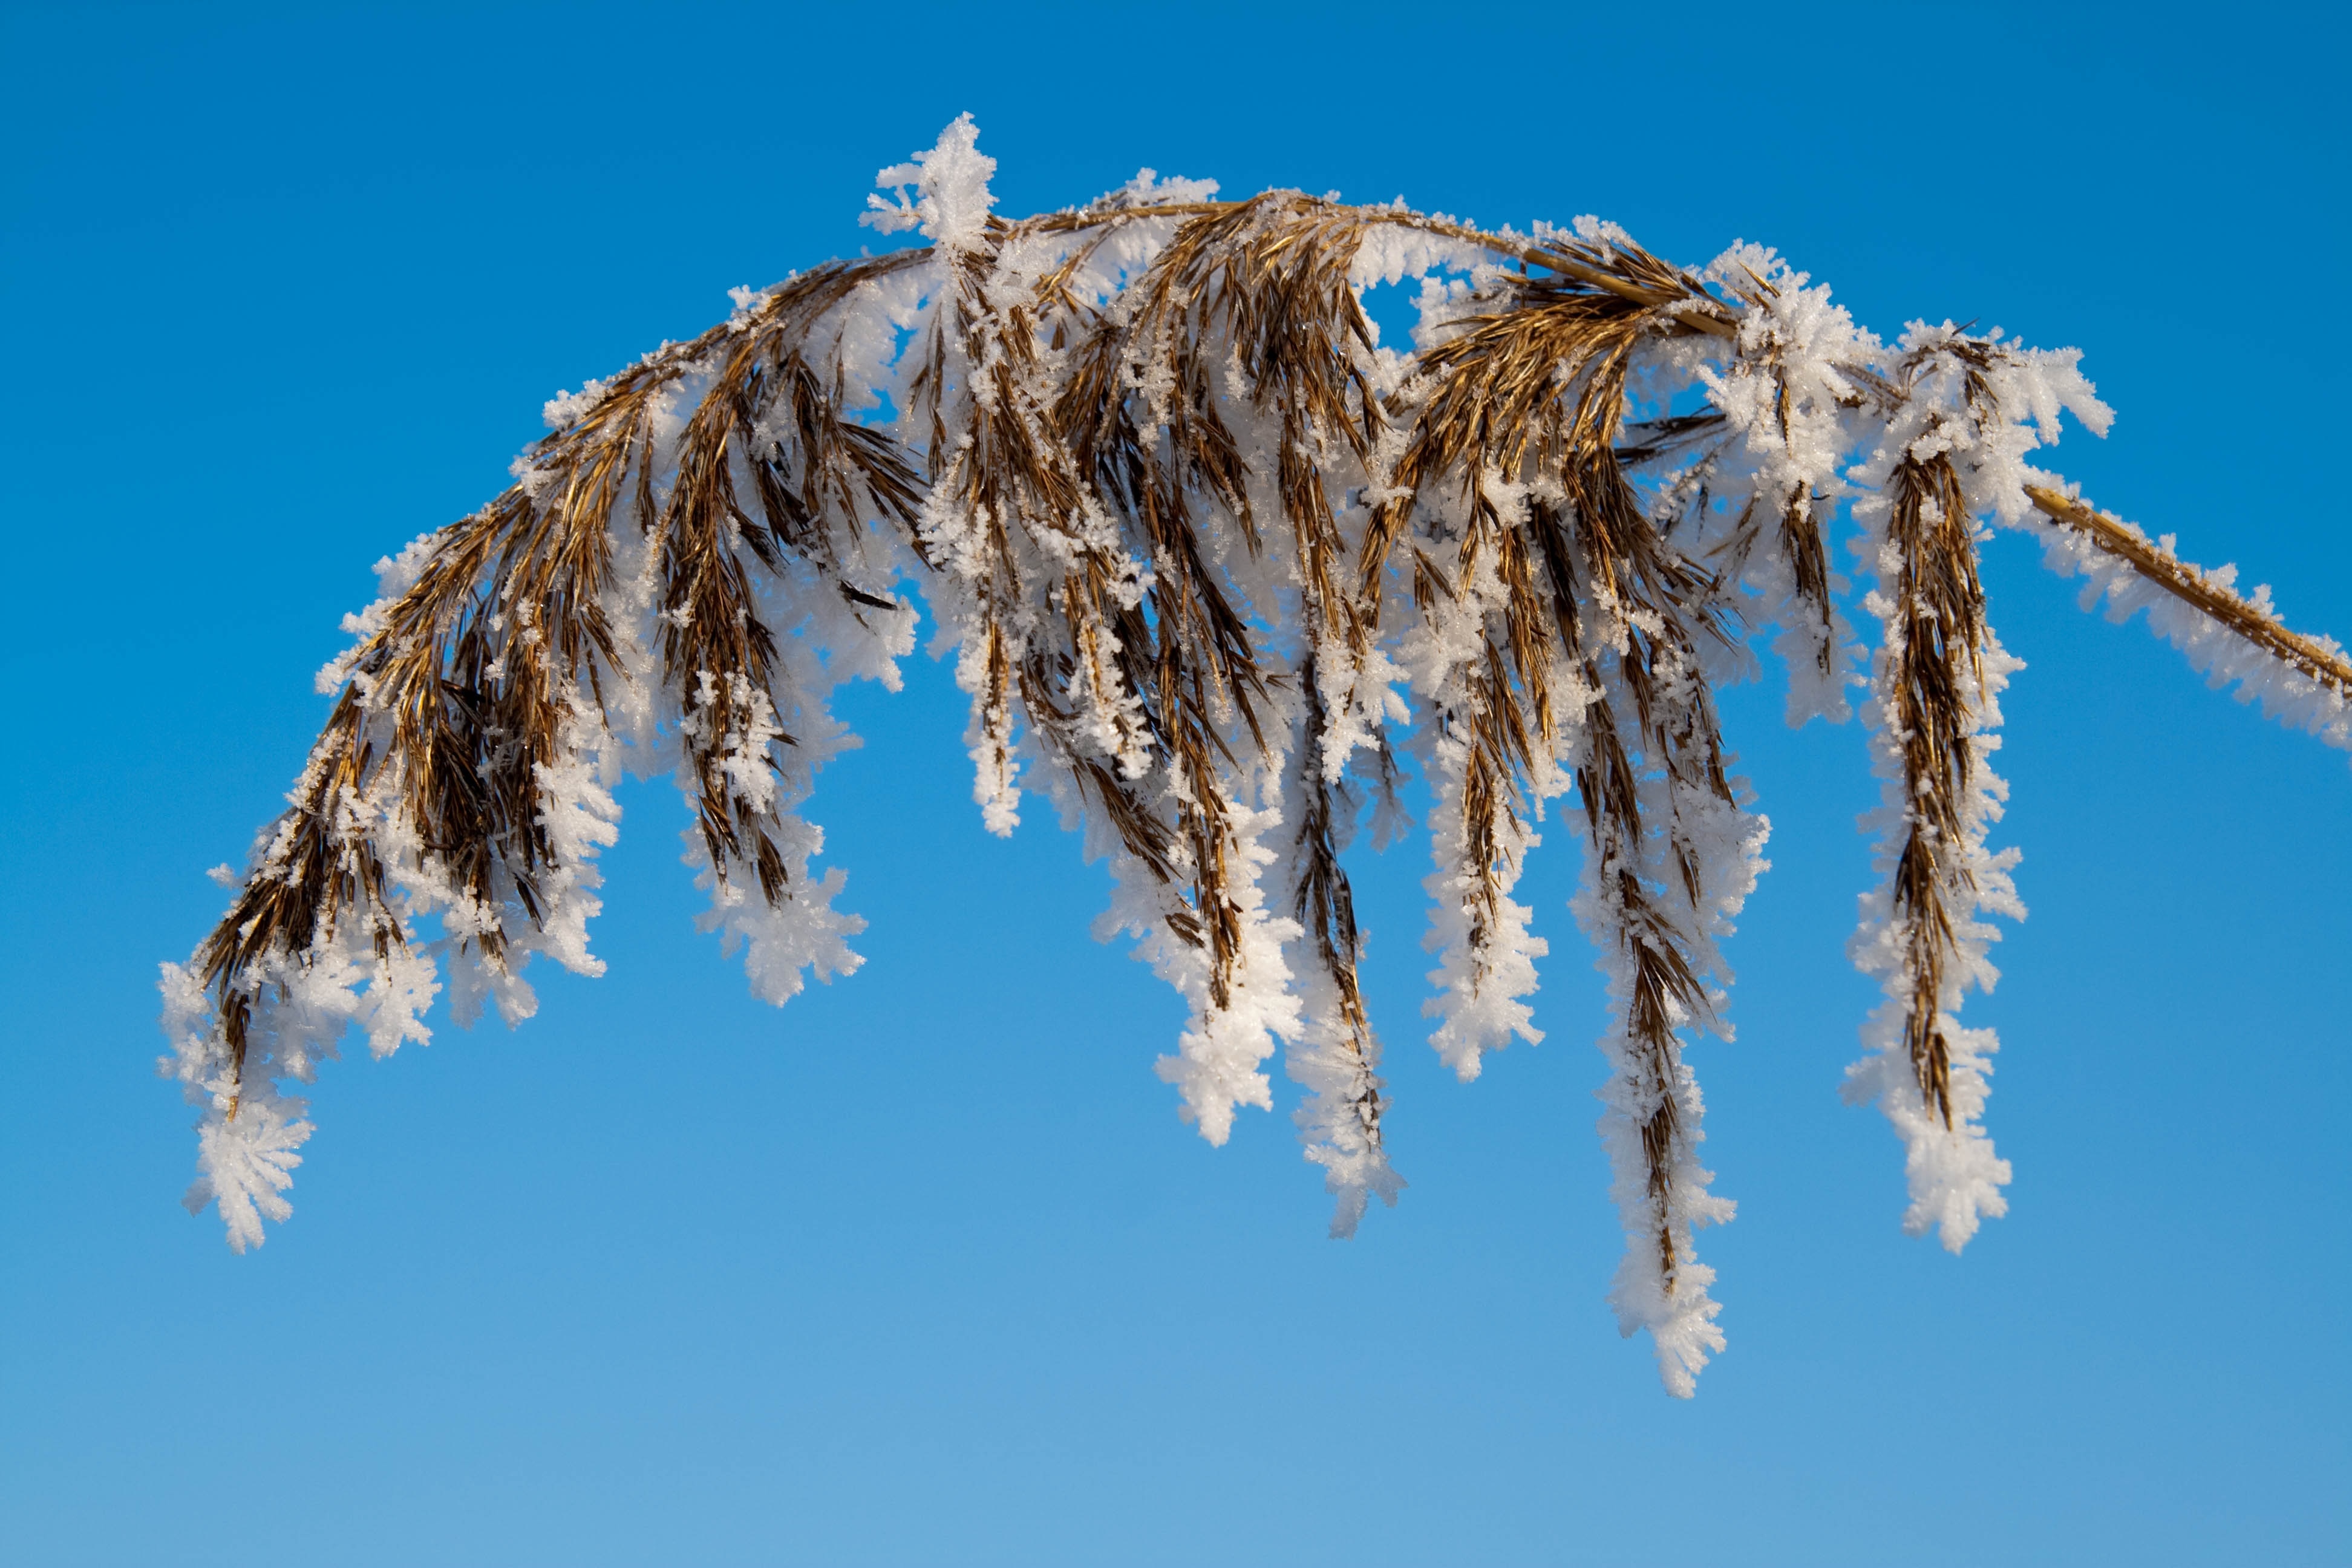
923,1268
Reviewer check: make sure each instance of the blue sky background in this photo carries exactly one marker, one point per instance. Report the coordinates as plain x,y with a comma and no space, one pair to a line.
923,1268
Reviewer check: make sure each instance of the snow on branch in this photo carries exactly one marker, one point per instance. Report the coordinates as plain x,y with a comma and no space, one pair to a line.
1222,572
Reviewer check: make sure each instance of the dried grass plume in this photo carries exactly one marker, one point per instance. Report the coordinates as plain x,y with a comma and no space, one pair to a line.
1221,568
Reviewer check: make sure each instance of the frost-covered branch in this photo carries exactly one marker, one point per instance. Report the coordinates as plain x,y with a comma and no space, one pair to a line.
2306,681
1222,574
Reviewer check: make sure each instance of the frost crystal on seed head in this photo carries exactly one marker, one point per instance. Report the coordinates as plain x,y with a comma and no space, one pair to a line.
951,181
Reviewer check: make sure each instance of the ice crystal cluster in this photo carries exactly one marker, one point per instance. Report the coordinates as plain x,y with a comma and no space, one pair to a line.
1218,568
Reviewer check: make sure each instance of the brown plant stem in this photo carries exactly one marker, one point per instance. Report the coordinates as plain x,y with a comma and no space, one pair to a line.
2189,584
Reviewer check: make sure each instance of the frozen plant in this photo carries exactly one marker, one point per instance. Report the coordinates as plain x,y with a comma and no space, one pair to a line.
1218,567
